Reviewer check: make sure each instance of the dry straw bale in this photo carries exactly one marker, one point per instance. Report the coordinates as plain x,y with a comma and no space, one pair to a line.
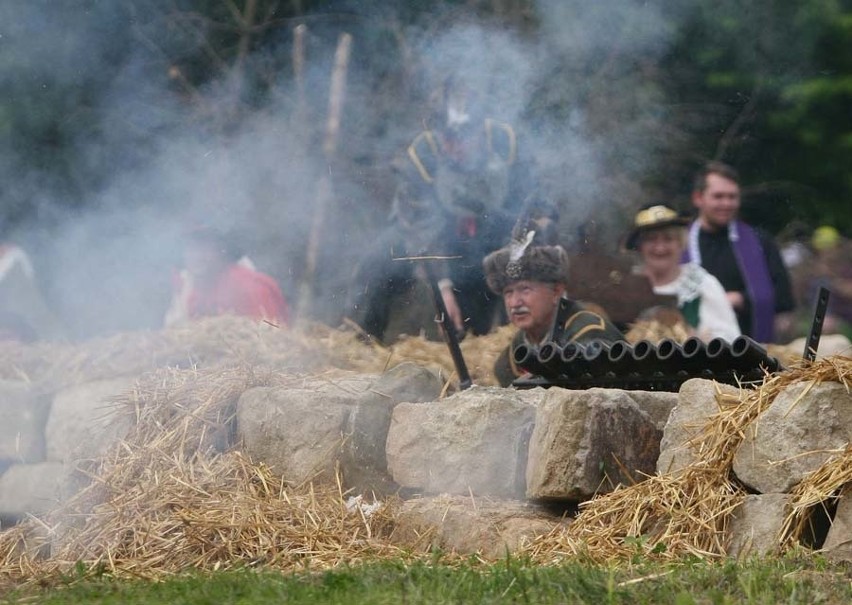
687,513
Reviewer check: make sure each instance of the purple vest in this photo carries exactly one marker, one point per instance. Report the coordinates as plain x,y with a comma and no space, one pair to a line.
751,262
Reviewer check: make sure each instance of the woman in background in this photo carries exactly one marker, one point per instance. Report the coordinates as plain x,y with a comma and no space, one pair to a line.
659,235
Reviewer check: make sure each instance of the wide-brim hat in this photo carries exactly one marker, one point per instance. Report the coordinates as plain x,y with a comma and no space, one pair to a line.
650,218
518,262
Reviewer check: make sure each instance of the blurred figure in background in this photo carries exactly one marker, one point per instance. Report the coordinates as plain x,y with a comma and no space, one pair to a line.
746,261
833,269
24,315
459,189
659,235
217,281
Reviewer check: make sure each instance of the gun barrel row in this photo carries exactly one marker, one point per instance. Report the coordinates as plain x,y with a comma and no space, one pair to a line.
667,358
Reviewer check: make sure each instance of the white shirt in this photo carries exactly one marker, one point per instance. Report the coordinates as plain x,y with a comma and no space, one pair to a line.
715,315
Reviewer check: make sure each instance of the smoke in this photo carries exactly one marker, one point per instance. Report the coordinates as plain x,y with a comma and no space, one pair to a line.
142,147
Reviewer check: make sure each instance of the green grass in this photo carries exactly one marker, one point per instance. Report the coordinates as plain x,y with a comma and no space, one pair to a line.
787,580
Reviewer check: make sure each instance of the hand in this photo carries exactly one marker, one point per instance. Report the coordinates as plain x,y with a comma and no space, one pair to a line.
736,299
453,309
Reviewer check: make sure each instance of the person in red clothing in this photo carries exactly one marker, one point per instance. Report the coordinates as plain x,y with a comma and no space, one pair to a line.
216,281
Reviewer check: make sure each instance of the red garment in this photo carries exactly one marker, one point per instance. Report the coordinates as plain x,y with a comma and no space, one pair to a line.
240,291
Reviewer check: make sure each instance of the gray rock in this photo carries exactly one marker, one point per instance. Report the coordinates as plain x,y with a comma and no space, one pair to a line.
83,421
696,404
838,542
829,344
297,432
472,442
465,526
587,442
34,488
755,527
793,436
310,432
657,404
363,459
23,413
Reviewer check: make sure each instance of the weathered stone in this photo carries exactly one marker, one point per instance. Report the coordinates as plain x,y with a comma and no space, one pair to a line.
295,431
756,524
472,442
585,441
407,382
464,526
696,404
34,488
22,416
838,542
330,424
657,404
794,436
83,421
363,459
829,344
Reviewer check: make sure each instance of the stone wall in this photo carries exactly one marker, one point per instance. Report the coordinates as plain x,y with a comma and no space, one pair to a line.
496,462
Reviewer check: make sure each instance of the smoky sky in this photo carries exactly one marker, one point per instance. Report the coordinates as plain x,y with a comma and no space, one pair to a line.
142,155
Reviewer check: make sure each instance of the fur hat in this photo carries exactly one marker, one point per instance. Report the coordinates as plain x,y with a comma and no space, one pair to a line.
522,260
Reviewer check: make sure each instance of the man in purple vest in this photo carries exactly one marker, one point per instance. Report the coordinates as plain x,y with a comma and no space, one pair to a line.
746,261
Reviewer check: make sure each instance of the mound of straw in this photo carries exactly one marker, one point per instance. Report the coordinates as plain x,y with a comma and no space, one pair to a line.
687,513
308,347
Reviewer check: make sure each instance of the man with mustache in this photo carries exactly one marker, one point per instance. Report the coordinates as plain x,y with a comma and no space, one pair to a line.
531,278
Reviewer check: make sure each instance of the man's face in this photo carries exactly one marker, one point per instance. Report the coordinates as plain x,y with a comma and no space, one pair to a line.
719,203
531,305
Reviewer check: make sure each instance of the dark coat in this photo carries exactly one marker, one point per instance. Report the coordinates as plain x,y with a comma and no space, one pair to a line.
573,324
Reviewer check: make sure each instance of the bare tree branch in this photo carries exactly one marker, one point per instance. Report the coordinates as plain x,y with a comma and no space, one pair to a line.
745,115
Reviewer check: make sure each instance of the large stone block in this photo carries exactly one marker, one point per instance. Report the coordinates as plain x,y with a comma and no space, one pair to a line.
472,442
297,432
829,344
794,436
34,488
363,458
311,432
83,420
657,404
23,413
587,442
755,527
696,404
461,525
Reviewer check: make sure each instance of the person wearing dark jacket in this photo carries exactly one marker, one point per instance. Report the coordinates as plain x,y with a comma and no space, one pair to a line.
745,260
531,278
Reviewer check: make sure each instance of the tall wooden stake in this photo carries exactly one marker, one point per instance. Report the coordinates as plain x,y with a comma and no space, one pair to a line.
324,186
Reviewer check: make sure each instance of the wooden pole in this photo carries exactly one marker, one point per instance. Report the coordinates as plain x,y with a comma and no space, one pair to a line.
324,186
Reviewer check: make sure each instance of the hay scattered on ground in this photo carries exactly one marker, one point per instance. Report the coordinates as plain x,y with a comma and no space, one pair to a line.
168,499
172,496
687,513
